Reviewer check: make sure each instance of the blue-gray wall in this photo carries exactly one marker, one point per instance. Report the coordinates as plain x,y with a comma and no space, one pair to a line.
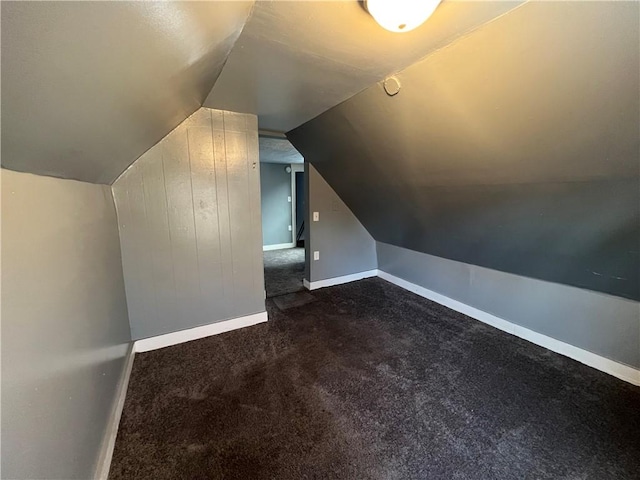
65,332
344,244
275,188
189,217
515,148
599,323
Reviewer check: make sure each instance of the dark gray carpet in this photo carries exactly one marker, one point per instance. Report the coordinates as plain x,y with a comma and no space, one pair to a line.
372,382
283,271
293,300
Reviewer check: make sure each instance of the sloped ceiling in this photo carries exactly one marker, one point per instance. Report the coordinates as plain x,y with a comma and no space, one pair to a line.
87,87
295,60
515,148
278,150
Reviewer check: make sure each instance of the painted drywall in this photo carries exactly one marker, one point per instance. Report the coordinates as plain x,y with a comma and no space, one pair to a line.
278,150
88,87
189,219
344,244
65,331
515,148
599,323
275,191
295,60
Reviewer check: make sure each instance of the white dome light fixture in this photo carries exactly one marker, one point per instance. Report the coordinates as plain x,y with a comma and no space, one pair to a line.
401,15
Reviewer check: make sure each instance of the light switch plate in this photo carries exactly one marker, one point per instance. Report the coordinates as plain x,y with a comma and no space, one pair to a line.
316,216
289,199
316,255
289,227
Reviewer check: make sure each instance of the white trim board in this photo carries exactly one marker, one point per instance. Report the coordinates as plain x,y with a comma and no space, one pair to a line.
277,246
108,444
109,441
295,168
619,370
174,338
329,282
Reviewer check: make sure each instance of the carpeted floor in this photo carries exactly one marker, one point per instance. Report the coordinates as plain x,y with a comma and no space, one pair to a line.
283,271
368,381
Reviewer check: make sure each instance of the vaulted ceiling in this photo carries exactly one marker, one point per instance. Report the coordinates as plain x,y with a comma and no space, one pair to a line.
516,148
87,87
278,150
295,60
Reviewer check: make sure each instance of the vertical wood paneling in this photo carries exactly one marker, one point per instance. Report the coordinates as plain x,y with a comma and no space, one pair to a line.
132,282
223,217
205,200
253,161
234,122
177,177
239,212
158,238
142,256
217,119
191,236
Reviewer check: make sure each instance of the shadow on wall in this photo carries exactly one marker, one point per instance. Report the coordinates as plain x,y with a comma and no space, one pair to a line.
343,245
519,156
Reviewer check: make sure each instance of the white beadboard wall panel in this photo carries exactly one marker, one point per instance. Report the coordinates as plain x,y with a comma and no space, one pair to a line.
189,216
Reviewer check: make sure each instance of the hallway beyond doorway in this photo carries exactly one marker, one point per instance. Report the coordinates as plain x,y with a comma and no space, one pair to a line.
283,271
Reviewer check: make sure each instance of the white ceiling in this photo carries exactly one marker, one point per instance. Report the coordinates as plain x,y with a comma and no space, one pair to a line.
295,60
278,150
87,87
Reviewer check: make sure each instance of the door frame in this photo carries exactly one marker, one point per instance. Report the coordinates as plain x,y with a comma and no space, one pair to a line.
295,167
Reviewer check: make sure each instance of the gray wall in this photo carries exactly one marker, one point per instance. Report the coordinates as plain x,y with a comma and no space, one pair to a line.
603,324
515,148
189,217
344,244
65,331
107,79
275,187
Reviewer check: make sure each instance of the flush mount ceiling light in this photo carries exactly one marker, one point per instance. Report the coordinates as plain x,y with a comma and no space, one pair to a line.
401,15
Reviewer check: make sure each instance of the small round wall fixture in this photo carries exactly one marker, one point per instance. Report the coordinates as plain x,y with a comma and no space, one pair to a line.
391,86
287,169
401,15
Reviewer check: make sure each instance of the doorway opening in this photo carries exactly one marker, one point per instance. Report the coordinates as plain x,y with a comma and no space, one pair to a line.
283,216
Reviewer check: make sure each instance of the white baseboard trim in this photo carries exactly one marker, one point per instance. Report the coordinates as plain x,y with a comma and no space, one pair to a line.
174,338
109,441
278,246
329,282
108,444
619,370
